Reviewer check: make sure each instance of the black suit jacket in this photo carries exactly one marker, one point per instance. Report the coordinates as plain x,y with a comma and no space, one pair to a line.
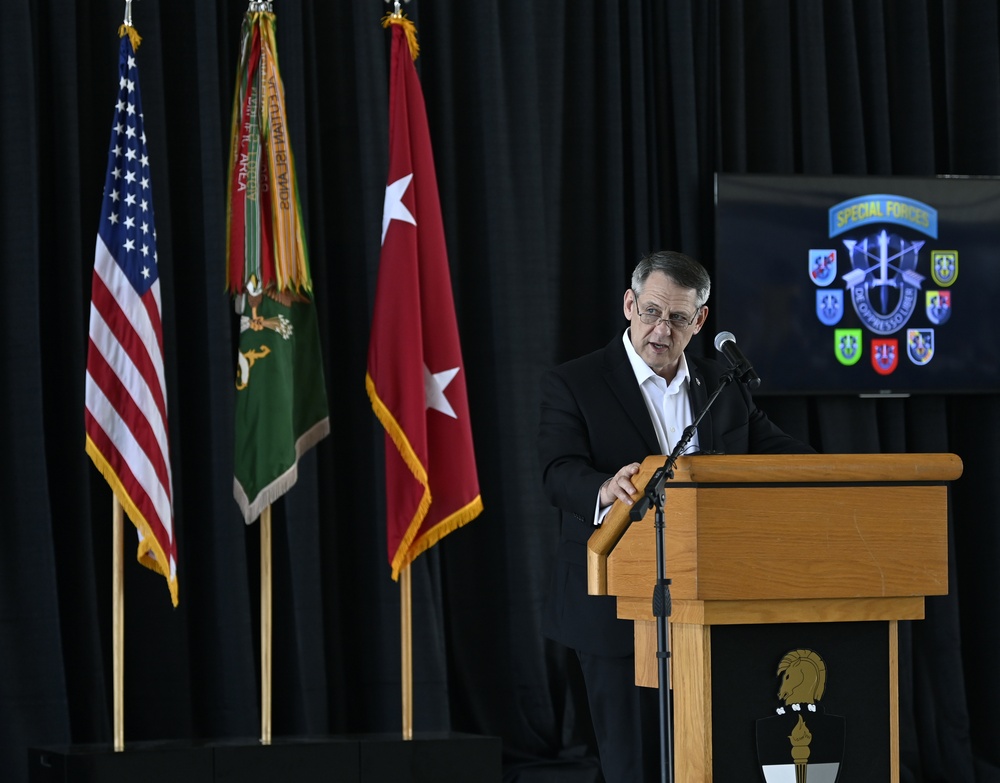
594,421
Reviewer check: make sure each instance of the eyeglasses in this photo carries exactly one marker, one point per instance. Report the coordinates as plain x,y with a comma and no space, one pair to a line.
652,317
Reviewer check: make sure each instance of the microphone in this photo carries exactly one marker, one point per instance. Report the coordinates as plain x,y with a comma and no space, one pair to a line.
725,342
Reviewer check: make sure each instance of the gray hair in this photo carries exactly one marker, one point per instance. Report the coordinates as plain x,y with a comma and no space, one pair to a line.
682,269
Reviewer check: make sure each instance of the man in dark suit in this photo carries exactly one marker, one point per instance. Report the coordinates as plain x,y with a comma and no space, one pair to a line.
601,415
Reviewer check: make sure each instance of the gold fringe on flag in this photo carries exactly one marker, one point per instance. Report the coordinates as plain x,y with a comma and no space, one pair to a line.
132,33
410,546
393,429
150,553
408,27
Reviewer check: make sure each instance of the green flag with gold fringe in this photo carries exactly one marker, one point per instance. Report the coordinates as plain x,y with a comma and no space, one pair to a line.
281,407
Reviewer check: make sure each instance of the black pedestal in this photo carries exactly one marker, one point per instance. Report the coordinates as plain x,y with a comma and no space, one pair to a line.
293,759
367,758
150,762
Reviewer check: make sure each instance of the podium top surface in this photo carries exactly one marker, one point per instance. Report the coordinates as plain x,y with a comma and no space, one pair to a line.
808,468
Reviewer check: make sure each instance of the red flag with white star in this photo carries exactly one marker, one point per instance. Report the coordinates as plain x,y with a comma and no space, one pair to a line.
416,378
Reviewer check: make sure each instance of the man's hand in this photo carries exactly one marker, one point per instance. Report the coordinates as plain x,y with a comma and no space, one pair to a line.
619,486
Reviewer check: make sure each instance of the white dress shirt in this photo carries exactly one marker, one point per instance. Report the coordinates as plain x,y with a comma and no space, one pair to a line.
669,406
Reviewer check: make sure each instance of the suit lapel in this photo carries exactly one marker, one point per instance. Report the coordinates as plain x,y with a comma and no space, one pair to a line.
699,399
621,378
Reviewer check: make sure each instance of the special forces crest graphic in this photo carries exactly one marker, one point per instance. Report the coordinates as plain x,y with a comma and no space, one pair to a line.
800,743
883,282
878,270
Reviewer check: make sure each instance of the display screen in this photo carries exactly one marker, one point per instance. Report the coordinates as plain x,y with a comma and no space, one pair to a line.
861,285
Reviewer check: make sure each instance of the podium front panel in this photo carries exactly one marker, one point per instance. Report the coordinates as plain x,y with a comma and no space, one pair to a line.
849,728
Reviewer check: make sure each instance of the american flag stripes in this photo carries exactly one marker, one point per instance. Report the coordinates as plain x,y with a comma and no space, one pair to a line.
126,397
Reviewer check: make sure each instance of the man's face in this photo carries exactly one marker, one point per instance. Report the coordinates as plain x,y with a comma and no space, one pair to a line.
660,345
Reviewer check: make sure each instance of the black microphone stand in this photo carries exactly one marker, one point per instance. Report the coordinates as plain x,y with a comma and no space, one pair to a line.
654,494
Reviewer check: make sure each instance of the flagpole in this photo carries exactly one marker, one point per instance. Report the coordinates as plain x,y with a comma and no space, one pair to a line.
267,273
265,626
405,596
406,649
397,361
118,621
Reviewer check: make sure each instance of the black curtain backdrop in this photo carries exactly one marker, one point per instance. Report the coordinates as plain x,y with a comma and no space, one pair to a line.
569,137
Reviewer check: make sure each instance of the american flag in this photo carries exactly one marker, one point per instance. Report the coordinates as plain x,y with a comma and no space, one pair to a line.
126,395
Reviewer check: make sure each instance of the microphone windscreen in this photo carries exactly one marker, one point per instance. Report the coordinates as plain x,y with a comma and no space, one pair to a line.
723,337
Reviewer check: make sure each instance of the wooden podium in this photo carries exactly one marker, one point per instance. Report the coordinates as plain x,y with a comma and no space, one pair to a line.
827,547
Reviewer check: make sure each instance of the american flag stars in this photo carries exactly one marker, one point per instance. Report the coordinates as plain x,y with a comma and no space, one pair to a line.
128,202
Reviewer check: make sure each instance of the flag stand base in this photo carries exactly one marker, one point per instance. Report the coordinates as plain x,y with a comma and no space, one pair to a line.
361,758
